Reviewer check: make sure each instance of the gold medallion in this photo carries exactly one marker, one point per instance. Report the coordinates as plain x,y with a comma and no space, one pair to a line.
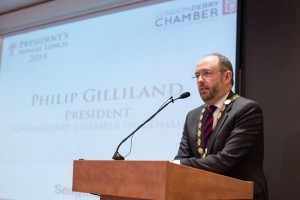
227,102
200,150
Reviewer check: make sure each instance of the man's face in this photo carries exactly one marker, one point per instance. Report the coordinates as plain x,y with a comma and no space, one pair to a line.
211,80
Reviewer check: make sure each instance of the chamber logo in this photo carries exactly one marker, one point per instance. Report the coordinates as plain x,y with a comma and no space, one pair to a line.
204,11
229,7
11,48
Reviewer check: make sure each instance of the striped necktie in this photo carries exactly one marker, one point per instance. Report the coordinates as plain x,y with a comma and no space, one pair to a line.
208,123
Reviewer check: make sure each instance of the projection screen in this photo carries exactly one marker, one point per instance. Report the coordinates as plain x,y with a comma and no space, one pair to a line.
76,89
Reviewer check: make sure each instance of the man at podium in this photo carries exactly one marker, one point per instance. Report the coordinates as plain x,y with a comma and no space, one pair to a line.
225,135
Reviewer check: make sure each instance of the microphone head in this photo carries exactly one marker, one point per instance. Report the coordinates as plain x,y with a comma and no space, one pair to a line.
184,95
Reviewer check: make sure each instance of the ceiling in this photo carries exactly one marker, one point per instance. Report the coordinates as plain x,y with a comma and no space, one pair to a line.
15,5
18,15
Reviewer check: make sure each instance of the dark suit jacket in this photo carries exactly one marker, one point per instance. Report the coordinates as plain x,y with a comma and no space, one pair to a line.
236,146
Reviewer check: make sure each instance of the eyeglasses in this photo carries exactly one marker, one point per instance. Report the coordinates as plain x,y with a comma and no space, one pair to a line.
206,74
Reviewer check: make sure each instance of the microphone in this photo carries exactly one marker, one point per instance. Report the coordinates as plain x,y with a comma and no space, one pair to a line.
117,155
184,95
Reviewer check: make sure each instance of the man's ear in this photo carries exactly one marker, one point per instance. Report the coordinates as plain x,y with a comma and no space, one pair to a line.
228,76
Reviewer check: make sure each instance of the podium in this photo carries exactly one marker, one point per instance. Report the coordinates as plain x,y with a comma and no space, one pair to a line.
158,180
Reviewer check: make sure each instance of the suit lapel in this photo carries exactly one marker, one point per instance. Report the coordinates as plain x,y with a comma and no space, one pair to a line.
219,125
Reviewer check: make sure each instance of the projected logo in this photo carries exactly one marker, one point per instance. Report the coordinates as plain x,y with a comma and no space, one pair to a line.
38,49
229,7
11,48
204,11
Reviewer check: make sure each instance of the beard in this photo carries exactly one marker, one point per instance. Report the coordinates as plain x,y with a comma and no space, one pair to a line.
208,94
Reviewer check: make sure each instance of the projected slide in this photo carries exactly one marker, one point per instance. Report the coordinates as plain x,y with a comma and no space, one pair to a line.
76,90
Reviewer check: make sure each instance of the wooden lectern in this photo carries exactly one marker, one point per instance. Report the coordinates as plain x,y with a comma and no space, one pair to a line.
159,180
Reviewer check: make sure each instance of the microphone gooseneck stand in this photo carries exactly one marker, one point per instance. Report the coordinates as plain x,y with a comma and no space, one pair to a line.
117,155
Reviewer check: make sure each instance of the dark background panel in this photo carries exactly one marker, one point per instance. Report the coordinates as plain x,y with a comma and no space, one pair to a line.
270,64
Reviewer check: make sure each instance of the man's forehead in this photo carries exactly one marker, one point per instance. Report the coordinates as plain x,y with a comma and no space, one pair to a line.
208,61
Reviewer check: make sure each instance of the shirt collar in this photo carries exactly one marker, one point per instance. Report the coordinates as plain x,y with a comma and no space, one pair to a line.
221,101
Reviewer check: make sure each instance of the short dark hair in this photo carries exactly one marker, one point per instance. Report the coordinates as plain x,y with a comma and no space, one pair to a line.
224,63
